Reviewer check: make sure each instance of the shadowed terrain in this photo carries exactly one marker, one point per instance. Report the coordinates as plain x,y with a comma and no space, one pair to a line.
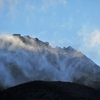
42,90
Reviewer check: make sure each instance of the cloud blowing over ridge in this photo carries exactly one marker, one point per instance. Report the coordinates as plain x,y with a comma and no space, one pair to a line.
24,59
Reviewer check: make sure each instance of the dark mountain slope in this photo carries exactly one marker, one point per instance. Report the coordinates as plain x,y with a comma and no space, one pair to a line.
40,90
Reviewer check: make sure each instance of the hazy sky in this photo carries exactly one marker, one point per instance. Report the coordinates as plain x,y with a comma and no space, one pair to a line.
60,22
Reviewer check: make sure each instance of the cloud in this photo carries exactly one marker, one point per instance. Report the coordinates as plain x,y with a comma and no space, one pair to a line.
43,33
90,43
90,39
46,4
58,40
13,1
94,38
10,6
13,7
63,1
50,3
1,3
65,24
29,6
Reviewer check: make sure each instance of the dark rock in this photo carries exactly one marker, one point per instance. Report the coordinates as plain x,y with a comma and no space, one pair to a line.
40,90
18,35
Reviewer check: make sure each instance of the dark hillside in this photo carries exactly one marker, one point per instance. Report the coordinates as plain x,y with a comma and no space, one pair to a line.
41,90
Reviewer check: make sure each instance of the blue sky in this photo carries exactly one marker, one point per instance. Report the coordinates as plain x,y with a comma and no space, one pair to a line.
60,22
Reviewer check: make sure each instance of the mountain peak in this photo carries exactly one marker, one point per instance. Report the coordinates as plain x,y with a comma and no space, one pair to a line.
29,40
69,49
18,35
24,59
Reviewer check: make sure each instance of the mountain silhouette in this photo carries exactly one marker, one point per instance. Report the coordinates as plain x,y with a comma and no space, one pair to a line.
42,90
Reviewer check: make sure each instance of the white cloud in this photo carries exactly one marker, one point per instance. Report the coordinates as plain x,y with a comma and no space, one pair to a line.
13,7
90,43
46,4
90,39
49,3
63,1
1,3
10,5
66,24
13,1
58,40
42,33
55,34
95,38
30,6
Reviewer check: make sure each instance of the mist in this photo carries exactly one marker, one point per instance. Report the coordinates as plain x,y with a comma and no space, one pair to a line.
24,59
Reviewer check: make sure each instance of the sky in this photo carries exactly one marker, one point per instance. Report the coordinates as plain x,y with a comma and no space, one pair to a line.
62,23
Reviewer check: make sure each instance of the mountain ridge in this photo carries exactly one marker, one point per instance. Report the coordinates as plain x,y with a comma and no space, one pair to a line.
25,59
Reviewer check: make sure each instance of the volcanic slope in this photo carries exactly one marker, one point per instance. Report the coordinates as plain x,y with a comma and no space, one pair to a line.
24,59
40,90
